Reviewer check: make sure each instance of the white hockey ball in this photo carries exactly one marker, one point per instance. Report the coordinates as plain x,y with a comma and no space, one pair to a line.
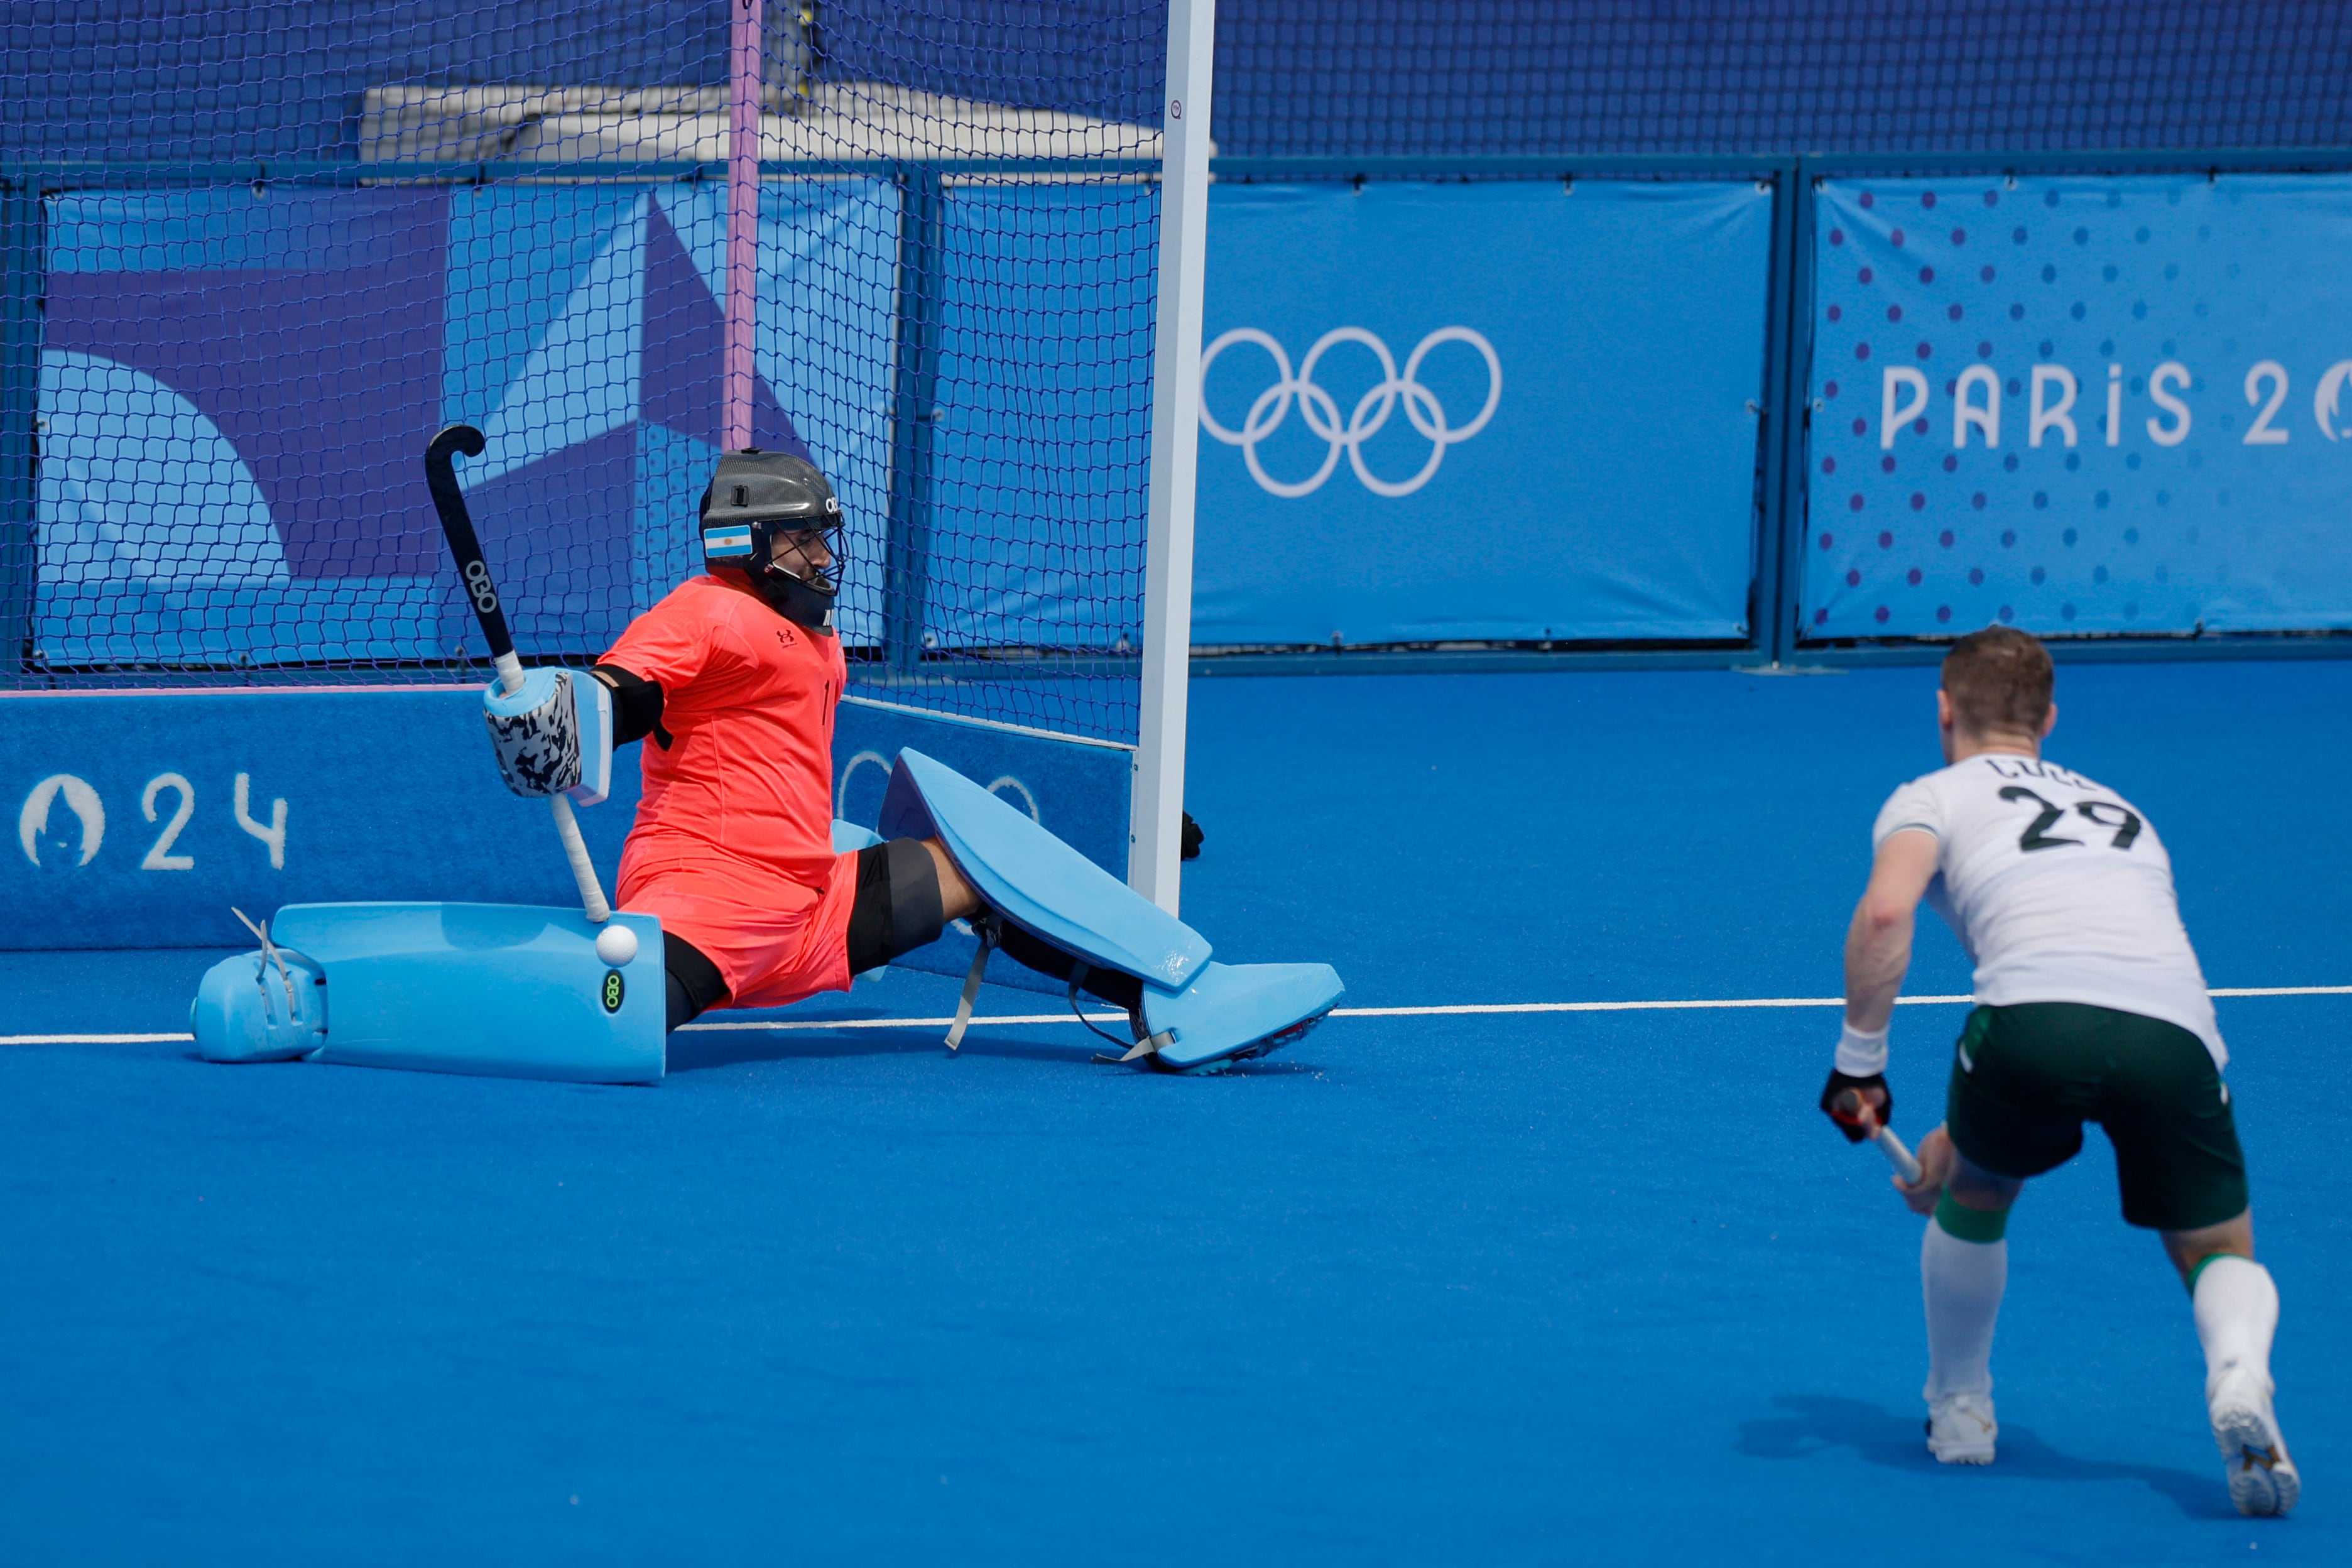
616,944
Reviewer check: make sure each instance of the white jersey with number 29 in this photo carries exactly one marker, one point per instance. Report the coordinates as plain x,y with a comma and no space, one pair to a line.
2059,889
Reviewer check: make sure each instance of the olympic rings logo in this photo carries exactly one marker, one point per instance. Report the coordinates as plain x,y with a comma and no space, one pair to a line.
1372,412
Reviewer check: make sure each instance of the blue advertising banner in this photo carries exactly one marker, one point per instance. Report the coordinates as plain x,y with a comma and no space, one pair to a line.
1510,410
141,818
2077,406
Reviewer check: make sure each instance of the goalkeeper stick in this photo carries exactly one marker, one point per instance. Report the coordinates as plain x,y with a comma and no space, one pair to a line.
458,525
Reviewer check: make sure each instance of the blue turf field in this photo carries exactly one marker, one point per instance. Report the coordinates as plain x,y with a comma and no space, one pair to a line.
1555,1288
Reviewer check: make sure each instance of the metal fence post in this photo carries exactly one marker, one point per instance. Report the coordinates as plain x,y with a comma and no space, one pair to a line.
23,257
1765,609
1794,393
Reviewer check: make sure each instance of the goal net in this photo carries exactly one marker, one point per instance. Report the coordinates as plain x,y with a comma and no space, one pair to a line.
256,255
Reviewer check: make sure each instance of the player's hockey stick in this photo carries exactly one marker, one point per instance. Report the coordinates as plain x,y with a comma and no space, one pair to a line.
474,573
1896,1154
1883,1135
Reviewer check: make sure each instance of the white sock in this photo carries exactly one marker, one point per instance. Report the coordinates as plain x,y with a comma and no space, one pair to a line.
2237,1308
1962,1281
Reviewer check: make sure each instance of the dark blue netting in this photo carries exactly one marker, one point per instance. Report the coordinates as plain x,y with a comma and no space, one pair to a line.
1453,77
202,79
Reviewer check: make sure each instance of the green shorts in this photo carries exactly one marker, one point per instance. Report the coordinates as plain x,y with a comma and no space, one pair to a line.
2026,1078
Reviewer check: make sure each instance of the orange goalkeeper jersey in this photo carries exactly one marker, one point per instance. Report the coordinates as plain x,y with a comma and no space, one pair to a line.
744,789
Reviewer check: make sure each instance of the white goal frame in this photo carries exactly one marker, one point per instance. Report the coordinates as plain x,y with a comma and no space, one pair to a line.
1155,823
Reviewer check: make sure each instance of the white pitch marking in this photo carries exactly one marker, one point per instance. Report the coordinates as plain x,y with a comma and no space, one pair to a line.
2284,991
91,1039
906,1022
1471,1009
1477,1008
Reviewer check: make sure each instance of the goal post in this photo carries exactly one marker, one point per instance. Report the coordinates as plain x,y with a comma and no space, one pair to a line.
1154,863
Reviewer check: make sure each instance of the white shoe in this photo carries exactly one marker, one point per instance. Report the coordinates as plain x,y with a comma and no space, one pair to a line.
2263,1479
1961,1429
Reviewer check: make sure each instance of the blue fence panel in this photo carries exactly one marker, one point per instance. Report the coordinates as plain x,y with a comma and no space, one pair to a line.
212,479
236,391
1078,789
141,818
1501,411
2079,405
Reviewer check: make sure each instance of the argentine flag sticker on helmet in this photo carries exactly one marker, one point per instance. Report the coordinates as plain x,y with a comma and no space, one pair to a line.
729,542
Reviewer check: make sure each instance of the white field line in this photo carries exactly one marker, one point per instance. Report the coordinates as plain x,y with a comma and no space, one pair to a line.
2283,990
91,1039
1467,1009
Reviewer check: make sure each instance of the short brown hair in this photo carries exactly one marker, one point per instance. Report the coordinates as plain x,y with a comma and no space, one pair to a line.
1999,678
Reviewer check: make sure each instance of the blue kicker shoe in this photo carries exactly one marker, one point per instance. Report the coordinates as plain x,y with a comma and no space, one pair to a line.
1195,1014
1231,1012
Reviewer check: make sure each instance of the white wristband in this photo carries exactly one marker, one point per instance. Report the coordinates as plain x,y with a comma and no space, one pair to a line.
1861,1055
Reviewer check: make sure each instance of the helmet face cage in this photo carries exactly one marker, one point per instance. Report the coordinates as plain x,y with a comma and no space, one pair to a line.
794,588
760,514
777,550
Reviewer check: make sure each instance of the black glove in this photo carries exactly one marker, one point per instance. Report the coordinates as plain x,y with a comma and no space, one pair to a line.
1850,1121
1187,845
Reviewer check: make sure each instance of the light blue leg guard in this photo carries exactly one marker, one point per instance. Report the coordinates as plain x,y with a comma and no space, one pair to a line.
1195,1013
501,990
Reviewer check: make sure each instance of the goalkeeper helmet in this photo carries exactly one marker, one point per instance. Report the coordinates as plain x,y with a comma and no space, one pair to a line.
773,516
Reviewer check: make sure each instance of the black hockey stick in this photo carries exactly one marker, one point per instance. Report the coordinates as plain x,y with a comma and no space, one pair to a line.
466,546
466,549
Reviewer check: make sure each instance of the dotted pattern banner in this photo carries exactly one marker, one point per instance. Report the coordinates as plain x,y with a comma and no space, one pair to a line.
2212,317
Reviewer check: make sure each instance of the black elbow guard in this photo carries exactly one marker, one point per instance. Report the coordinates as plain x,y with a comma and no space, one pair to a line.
637,706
